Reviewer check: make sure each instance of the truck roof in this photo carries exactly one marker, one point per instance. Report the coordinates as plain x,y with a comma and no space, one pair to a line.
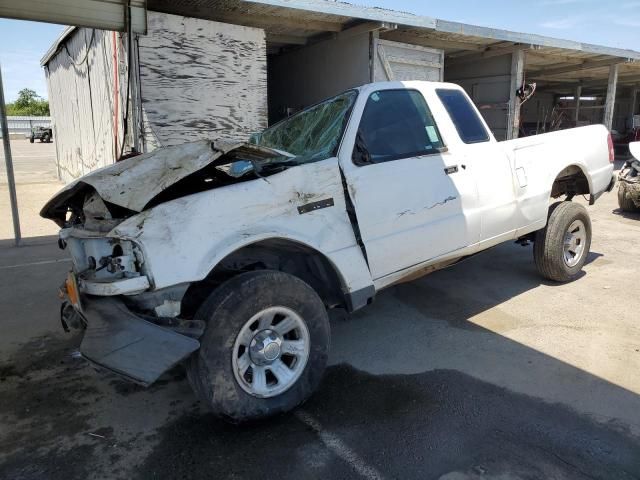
391,85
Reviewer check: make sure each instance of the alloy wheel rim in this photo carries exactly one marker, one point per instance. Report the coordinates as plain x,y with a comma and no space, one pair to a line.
574,243
270,352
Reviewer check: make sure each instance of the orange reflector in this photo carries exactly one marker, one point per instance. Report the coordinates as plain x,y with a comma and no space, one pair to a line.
72,290
612,150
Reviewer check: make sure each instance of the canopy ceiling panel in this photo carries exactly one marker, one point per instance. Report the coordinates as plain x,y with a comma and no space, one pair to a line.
102,14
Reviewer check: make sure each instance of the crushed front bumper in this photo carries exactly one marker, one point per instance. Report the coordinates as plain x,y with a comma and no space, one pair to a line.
119,340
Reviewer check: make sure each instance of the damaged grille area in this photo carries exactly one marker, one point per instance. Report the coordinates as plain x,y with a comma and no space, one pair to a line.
630,178
103,259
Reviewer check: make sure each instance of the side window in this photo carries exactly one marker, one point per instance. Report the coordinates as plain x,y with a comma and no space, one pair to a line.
395,124
464,116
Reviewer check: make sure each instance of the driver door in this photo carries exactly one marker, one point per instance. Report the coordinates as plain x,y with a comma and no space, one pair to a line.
409,193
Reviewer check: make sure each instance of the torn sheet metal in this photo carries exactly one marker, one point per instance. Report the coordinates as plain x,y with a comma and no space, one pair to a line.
120,184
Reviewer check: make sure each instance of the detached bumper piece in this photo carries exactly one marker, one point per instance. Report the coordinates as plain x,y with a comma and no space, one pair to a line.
120,341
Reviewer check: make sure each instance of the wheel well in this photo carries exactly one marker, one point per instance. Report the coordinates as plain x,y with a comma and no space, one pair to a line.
283,255
570,182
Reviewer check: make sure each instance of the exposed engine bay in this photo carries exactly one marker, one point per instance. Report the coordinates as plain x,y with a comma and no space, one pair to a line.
101,200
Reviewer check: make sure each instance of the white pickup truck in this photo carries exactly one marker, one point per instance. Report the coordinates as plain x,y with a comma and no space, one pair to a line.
227,256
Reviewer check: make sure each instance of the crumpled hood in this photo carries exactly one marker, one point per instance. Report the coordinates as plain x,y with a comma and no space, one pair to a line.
134,182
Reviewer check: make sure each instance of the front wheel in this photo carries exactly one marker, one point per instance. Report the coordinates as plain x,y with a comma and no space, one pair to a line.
265,346
562,247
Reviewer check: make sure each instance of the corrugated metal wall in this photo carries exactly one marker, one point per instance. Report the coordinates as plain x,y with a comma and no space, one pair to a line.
81,97
308,75
488,83
201,79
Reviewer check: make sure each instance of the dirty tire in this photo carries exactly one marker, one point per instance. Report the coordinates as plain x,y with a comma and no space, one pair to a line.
548,249
624,202
226,311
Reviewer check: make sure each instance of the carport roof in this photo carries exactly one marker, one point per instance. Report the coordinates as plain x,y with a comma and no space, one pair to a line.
562,64
550,61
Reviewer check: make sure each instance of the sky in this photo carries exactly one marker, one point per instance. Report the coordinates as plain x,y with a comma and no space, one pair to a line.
614,24
22,45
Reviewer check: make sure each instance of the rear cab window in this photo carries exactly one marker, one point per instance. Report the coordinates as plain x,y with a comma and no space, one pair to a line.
465,118
396,124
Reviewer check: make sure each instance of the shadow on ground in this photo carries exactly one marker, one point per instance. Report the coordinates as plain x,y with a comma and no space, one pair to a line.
440,402
629,215
403,426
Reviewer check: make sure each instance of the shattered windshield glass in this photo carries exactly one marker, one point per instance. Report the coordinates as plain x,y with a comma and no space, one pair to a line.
312,134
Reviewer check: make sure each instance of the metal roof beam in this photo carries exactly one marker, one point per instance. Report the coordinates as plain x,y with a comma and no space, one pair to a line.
365,27
102,14
345,9
599,83
427,41
489,53
589,65
260,21
286,39
621,79
555,57
485,48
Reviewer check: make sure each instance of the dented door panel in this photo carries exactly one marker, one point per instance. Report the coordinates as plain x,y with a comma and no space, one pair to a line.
410,211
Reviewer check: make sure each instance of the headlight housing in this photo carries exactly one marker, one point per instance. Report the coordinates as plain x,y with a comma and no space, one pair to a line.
103,258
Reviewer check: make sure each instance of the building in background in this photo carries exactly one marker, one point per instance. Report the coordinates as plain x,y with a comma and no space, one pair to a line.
226,68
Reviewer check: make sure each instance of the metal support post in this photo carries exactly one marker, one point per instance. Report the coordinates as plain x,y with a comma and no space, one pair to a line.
9,164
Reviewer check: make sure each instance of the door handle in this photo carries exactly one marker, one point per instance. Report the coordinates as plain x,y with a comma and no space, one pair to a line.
451,169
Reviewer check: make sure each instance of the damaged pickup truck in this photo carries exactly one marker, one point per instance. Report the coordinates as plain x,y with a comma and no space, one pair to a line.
227,256
629,181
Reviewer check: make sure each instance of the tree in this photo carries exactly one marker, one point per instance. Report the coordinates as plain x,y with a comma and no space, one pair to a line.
29,103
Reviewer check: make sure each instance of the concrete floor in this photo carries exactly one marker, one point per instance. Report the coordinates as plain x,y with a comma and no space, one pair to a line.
479,371
36,179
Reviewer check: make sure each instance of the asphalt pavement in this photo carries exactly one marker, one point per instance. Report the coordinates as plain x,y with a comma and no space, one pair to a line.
480,371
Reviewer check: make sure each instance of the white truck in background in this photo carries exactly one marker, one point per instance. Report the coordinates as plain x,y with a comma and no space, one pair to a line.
227,256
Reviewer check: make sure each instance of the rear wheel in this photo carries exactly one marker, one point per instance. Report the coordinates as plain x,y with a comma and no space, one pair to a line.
562,247
46,138
624,202
265,346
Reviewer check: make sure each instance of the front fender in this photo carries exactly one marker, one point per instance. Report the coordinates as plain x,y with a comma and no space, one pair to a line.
184,239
